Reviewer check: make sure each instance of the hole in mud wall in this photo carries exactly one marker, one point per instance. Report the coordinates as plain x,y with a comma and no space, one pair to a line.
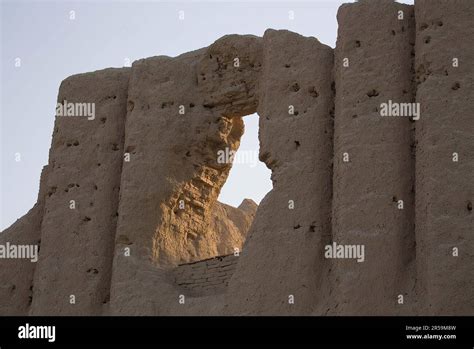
249,179
211,211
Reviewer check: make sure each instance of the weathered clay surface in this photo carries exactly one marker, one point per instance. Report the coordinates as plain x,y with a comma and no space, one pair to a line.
84,165
297,71
145,178
208,277
230,225
445,189
373,164
16,275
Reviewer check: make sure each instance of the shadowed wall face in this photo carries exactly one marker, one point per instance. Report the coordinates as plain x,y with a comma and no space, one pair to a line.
444,157
83,183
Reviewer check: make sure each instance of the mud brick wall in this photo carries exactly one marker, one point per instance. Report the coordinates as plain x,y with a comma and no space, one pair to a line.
206,277
116,252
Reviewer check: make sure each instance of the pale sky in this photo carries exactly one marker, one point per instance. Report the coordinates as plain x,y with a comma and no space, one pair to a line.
51,46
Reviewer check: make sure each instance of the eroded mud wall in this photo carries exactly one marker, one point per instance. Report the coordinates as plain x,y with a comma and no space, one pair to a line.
144,176
444,156
373,163
78,226
190,107
282,255
16,275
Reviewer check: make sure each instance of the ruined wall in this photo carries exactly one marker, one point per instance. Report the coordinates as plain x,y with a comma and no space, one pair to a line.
145,178
444,194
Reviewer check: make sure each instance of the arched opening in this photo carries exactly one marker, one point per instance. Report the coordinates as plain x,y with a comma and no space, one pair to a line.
247,182
215,209
191,225
249,178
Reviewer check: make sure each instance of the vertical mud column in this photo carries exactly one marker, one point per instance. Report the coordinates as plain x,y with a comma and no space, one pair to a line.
445,157
158,146
81,197
373,165
281,270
